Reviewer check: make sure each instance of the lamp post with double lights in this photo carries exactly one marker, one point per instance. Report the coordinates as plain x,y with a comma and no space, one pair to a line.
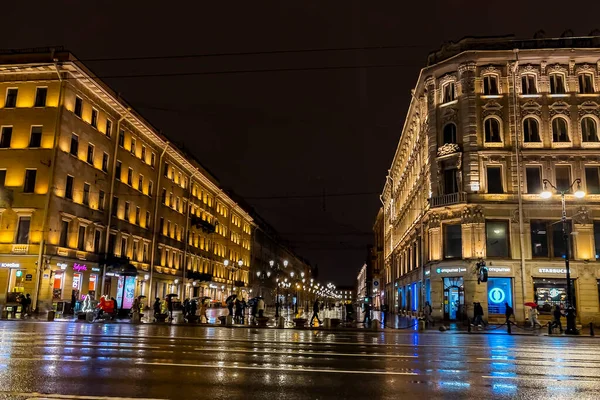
234,268
262,275
277,268
578,193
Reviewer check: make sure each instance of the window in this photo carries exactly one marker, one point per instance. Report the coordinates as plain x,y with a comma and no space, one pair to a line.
450,182
90,154
130,176
94,121
452,241
539,239
563,177
448,92
560,130
105,162
166,170
81,238
168,228
163,196
559,247
133,146
108,128
64,234
147,219
123,247
112,243
586,83
592,180
171,202
74,145
35,140
152,159
177,204
6,136
2,177
86,194
161,226
490,85
531,130
528,85
492,130
69,188
29,186
137,215
40,97
115,206
118,171
589,132
121,137
11,98
144,153
97,238
145,253
597,239
496,233
78,106
450,133
150,186
135,250
23,230
533,175
126,212
101,196
557,84
494,180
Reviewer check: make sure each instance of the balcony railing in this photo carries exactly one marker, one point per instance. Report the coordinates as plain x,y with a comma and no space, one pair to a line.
448,199
20,248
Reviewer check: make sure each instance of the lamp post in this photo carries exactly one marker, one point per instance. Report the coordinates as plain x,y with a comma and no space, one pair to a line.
546,194
234,268
262,275
275,266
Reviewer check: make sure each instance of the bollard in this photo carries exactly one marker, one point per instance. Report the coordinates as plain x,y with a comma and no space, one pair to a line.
469,325
229,320
281,322
549,328
422,325
508,328
51,315
375,324
592,329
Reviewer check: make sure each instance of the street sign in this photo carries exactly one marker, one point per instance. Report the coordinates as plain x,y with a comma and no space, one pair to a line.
28,277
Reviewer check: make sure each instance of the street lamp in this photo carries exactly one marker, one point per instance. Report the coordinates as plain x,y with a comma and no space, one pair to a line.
240,264
579,193
277,268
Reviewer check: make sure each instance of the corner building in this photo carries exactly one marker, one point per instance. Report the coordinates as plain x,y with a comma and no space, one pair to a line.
94,200
489,121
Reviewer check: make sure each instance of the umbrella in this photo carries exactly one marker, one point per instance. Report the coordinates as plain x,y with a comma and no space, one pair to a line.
231,298
531,304
171,295
141,296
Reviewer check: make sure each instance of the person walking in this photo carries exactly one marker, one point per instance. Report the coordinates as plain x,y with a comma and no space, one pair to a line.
135,310
477,315
239,312
349,312
315,313
260,307
508,313
203,311
558,314
533,317
427,311
156,307
367,310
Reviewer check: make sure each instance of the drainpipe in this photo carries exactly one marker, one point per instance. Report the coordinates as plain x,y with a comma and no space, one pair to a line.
40,260
155,230
519,190
111,195
186,234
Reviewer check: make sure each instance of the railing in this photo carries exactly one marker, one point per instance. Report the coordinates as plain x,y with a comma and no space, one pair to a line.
448,199
20,248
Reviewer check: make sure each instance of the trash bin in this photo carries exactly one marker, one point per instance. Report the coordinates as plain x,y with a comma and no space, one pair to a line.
51,315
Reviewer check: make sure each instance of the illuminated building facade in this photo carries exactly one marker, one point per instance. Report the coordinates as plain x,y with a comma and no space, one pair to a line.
89,190
485,127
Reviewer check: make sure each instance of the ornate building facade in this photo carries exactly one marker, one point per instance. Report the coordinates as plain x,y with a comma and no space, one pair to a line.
489,122
94,200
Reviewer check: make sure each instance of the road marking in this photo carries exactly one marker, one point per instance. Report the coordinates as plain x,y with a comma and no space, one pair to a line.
262,368
41,396
40,359
524,378
305,353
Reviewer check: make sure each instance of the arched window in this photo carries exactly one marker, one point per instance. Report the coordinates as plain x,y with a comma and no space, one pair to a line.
589,131
450,133
492,130
560,130
531,130
448,92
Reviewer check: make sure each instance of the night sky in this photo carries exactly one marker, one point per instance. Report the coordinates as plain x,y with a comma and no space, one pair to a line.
309,149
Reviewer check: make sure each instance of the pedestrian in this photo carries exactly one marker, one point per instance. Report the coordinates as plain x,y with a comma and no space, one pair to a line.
26,304
558,314
73,301
186,307
135,310
239,310
427,310
254,310
203,311
533,317
367,310
508,313
156,307
477,315
230,304
260,307
349,312
315,313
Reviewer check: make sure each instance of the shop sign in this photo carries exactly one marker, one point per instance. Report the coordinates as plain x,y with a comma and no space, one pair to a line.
129,292
28,278
213,286
497,295
450,270
561,271
62,266
79,267
46,276
95,269
499,270
120,283
427,273
10,265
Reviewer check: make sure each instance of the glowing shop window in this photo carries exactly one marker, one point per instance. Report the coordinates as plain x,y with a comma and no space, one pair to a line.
58,280
92,283
77,278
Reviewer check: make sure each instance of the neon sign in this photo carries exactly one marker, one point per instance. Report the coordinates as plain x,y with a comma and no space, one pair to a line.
497,295
10,265
79,267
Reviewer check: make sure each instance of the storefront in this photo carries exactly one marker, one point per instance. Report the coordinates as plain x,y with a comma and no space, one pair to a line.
550,288
68,282
499,289
447,291
17,277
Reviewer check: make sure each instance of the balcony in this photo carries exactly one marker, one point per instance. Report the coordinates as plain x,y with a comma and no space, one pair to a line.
448,199
447,149
20,248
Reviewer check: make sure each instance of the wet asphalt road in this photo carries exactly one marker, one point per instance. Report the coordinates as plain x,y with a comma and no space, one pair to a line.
76,360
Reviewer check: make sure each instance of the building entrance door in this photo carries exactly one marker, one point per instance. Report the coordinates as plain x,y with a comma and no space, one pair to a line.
454,298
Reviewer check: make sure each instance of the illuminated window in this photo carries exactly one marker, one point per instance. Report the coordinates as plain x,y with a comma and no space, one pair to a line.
29,185
531,130
40,97
490,85
92,283
5,137
105,162
492,130
557,84
121,137
78,106
23,230
94,121
560,130
589,130
11,98
586,83
58,281
130,176
497,238
108,128
35,140
528,84
90,154
448,92
141,182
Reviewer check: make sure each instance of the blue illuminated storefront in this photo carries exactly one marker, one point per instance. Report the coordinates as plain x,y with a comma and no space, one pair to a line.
499,291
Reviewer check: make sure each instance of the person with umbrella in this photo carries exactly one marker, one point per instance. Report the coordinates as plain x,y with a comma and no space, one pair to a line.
230,301
170,305
533,315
